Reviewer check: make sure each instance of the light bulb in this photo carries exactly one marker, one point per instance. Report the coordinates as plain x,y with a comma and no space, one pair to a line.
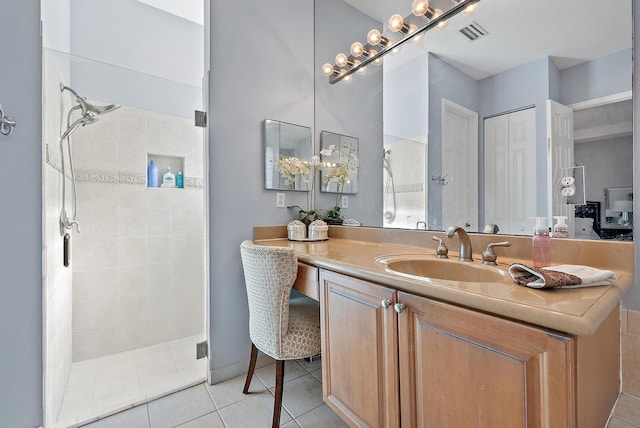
361,70
374,37
419,7
396,23
442,24
327,69
470,9
341,60
357,49
377,61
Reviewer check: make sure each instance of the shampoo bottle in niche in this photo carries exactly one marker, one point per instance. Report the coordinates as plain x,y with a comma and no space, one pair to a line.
152,174
180,180
560,229
168,179
541,254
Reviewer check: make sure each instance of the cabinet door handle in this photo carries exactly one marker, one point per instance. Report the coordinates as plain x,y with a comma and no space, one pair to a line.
386,303
399,307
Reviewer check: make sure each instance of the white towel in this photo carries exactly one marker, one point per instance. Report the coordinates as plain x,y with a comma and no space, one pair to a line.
561,276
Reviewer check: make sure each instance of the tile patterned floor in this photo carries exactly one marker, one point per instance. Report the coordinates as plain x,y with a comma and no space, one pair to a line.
116,382
225,406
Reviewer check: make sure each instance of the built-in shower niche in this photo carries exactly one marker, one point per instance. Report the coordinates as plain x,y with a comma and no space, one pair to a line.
176,163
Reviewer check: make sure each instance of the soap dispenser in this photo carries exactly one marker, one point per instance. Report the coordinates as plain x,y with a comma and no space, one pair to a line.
168,179
541,254
561,230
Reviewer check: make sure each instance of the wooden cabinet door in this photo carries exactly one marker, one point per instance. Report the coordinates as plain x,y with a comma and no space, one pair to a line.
359,351
460,368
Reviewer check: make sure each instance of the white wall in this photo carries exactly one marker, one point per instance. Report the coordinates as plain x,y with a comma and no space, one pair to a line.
21,218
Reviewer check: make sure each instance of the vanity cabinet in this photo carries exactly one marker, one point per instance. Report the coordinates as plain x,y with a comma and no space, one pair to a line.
434,364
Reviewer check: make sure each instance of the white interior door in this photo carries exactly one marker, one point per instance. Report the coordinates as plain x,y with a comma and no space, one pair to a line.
522,175
559,156
496,171
510,184
459,166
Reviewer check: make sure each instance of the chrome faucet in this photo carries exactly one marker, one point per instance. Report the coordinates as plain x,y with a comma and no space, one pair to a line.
465,253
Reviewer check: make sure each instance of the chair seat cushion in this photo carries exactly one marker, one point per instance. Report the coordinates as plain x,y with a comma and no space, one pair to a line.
303,337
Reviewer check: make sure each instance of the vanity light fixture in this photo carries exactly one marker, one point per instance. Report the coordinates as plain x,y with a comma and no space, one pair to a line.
411,28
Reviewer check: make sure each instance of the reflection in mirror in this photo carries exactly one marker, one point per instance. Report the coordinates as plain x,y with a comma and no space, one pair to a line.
285,141
553,65
340,163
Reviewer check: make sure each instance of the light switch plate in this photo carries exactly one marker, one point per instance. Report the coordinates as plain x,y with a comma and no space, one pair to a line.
344,203
280,200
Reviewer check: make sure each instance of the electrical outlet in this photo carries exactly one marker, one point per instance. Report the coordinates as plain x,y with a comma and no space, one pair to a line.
280,200
344,203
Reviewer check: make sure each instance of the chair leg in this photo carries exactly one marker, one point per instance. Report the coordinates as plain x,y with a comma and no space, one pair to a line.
277,406
252,367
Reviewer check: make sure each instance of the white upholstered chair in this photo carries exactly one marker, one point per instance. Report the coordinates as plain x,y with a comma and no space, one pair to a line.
283,328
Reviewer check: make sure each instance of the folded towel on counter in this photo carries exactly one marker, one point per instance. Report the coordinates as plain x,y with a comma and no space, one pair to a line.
561,276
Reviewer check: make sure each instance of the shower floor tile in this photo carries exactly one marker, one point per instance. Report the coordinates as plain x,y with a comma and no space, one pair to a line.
116,382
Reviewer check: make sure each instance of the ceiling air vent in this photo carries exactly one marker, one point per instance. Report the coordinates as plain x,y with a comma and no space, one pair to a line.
473,31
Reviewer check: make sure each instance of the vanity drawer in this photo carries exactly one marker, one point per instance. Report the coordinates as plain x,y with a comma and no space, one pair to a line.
307,282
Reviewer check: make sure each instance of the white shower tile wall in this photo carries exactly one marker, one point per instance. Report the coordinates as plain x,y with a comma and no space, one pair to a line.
138,265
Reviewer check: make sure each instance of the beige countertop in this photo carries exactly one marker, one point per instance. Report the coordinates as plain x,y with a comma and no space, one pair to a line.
578,311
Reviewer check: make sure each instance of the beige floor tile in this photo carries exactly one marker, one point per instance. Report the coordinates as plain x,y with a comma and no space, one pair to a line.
211,420
230,391
321,417
617,423
290,424
312,366
628,409
292,370
255,411
302,395
181,407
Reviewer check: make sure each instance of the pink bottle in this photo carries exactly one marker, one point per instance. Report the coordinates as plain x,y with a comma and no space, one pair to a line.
541,244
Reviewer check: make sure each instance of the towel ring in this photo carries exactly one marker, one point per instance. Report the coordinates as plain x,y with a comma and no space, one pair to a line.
6,123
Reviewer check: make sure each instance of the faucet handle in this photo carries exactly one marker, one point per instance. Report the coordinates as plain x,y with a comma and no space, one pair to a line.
489,256
442,251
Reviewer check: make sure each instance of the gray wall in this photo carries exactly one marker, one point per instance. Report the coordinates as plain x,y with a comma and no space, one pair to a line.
598,78
351,108
21,218
261,67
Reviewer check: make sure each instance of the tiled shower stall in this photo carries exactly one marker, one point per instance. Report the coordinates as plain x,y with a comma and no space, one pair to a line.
135,287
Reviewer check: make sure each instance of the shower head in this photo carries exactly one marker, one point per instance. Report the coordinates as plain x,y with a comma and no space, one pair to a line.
87,119
88,107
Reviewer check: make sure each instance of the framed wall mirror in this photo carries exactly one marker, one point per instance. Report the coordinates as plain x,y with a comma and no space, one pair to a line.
340,163
285,141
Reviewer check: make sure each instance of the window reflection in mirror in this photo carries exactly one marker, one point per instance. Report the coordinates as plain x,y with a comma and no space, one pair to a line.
340,163
284,140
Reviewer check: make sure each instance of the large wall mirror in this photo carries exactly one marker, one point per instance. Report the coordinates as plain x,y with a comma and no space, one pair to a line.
479,118
284,141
